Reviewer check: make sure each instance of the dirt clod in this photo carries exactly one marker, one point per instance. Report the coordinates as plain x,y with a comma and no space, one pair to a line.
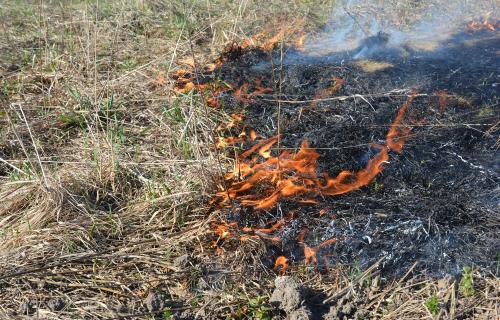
56,304
287,294
154,302
181,262
27,307
300,314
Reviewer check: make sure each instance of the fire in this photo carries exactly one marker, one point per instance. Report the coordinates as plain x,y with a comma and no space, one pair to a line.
397,134
185,82
486,24
253,135
311,253
347,181
224,230
261,180
265,42
243,95
299,44
228,141
281,264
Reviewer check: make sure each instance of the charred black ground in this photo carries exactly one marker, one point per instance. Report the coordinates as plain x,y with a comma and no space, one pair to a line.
436,202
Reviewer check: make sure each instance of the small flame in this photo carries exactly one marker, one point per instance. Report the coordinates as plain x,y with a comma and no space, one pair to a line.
311,253
243,95
223,142
223,229
486,24
265,42
397,134
253,135
299,44
281,264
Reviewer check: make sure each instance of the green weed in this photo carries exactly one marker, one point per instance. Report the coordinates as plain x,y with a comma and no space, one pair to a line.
466,283
256,308
432,304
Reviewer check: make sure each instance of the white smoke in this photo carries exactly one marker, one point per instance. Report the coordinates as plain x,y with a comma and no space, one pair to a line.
420,24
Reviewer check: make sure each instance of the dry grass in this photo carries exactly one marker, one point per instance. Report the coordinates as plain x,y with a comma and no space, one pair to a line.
105,172
373,66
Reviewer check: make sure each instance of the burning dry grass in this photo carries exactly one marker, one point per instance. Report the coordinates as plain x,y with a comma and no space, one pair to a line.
261,180
91,225
105,180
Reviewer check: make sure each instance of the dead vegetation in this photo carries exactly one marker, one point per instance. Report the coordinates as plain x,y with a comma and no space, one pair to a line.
106,172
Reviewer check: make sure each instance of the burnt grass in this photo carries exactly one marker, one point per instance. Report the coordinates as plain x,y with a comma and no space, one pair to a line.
436,203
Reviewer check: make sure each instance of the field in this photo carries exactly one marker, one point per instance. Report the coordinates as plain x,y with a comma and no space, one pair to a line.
108,173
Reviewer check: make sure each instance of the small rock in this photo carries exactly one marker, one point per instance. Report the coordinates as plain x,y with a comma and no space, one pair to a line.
182,261
300,314
154,302
13,68
27,307
56,304
287,294
361,314
120,308
202,284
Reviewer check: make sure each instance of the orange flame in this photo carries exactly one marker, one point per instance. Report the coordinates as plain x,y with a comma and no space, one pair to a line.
261,180
285,30
311,253
486,24
253,135
281,264
227,141
397,134
243,95
299,44
223,229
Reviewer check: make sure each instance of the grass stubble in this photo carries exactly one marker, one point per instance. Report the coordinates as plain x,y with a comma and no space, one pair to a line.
105,172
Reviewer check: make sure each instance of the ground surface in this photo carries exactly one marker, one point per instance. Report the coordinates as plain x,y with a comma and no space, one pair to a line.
440,189
106,172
